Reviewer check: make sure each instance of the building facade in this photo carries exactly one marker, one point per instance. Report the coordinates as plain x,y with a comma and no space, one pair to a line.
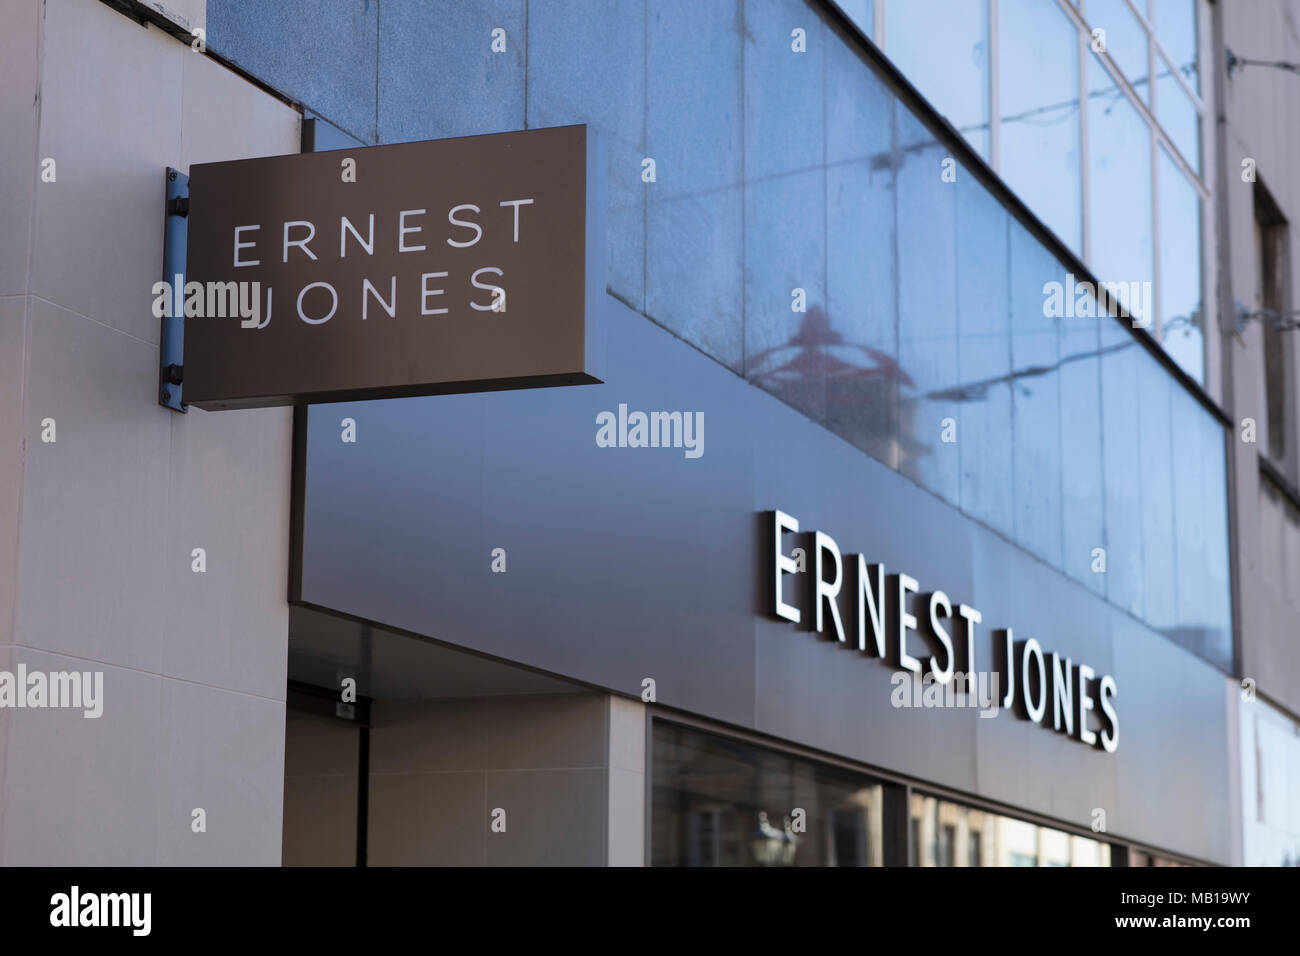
934,356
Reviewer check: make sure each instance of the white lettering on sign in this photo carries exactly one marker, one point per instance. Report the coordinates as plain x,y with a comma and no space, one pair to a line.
1045,688
464,230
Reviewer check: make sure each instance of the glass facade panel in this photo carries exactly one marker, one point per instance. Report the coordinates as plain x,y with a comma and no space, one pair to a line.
1216,576
1119,173
785,203
1175,26
412,60
984,386
1200,535
1126,42
927,310
694,238
950,66
1082,478
1156,466
1165,500
1039,136
1177,114
598,88
1182,318
786,349
1035,400
861,271
950,834
1038,106
1123,363
1190,513
723,802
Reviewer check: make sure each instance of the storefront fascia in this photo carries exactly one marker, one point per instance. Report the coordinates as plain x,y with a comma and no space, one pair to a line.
636,568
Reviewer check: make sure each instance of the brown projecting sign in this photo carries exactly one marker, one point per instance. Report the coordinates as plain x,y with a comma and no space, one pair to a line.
455,265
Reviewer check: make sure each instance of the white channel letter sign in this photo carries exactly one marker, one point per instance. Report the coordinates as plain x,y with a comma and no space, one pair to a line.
1042,687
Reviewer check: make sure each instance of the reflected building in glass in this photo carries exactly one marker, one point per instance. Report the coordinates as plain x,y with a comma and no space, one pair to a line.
949,834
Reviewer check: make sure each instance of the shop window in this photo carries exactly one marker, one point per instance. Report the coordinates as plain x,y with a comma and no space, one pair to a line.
723,802
703,836
1140,858
947,852
950,834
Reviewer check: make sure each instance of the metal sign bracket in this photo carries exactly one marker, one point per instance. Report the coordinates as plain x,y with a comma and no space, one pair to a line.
171,344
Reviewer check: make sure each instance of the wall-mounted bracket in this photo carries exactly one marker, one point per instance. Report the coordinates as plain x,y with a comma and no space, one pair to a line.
171,351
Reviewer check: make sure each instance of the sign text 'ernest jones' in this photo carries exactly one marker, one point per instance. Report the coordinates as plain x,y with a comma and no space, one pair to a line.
881,610
457,265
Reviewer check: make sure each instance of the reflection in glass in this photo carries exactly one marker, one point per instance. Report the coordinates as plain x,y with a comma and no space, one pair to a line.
1035,399
927,310
950,834
722,802
1214,571
1182,323
1156,468
984,386
1123,364
1038,93
942,47
1200,525
861,272
694,241
1165,496
784,205
1082,480
601,91
920,300
1139,858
